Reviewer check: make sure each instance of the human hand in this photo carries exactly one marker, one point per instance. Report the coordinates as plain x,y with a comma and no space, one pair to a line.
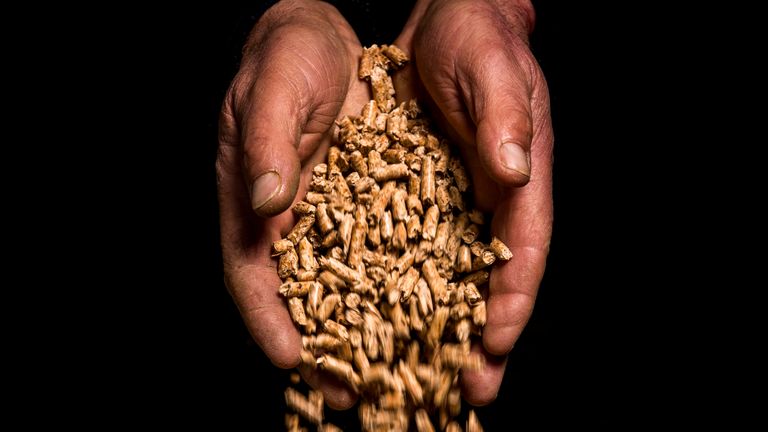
471,62
298,74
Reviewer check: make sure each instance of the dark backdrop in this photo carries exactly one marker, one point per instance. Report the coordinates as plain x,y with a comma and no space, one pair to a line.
586,354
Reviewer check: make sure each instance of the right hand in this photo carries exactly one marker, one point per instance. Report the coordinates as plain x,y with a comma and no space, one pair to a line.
472,65
298,75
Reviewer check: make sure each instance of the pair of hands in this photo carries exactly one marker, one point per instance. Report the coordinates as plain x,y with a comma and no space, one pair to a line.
471,65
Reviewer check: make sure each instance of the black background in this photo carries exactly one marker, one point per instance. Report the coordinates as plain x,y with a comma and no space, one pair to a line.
590,351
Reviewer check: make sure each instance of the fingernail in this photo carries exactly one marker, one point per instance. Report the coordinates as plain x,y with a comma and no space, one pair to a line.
515,158
264,188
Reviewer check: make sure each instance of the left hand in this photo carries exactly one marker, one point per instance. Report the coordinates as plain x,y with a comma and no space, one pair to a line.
472,63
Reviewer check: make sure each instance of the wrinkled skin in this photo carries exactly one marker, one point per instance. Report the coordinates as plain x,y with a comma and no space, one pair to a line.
299,73
472,64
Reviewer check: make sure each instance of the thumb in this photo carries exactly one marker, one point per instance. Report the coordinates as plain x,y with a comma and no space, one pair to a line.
498,93
270,134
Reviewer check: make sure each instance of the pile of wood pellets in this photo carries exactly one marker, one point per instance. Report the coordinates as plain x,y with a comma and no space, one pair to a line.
383,269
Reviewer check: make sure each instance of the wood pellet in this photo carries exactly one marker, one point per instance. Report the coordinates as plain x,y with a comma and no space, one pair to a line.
382,272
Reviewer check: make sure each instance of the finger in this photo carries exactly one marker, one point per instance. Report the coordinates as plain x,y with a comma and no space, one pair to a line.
481,387
254,289
495,87
337,395
513,289
251,276
271,128
523,221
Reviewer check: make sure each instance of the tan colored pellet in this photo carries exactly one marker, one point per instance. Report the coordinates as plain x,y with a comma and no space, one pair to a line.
453,356
439,319
399,321
464,259
399,210
423,423
374,159
470,234
378,274
357,243
390,172
471,293
281,246
365,184
407,283
303,208
308,359
386,334
394,155
478,278
299,403
306,255
436,283
397,124
413,227
485,259
321,342
428,181
341,369
379,375
500,249
339,269
328,427
479,314
443,387
383,90
327,307
306,275
345,231
392,400
478,248
425,297
459,310
292,423
413,202
396,55
332,239
314,298
463,330
295,289
301,228
373,258
360,359
473,424
381,201
324,222
412,385
453,427
416,323
296,308
336,329
443,199
353,317
399,237
441,238
374,236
